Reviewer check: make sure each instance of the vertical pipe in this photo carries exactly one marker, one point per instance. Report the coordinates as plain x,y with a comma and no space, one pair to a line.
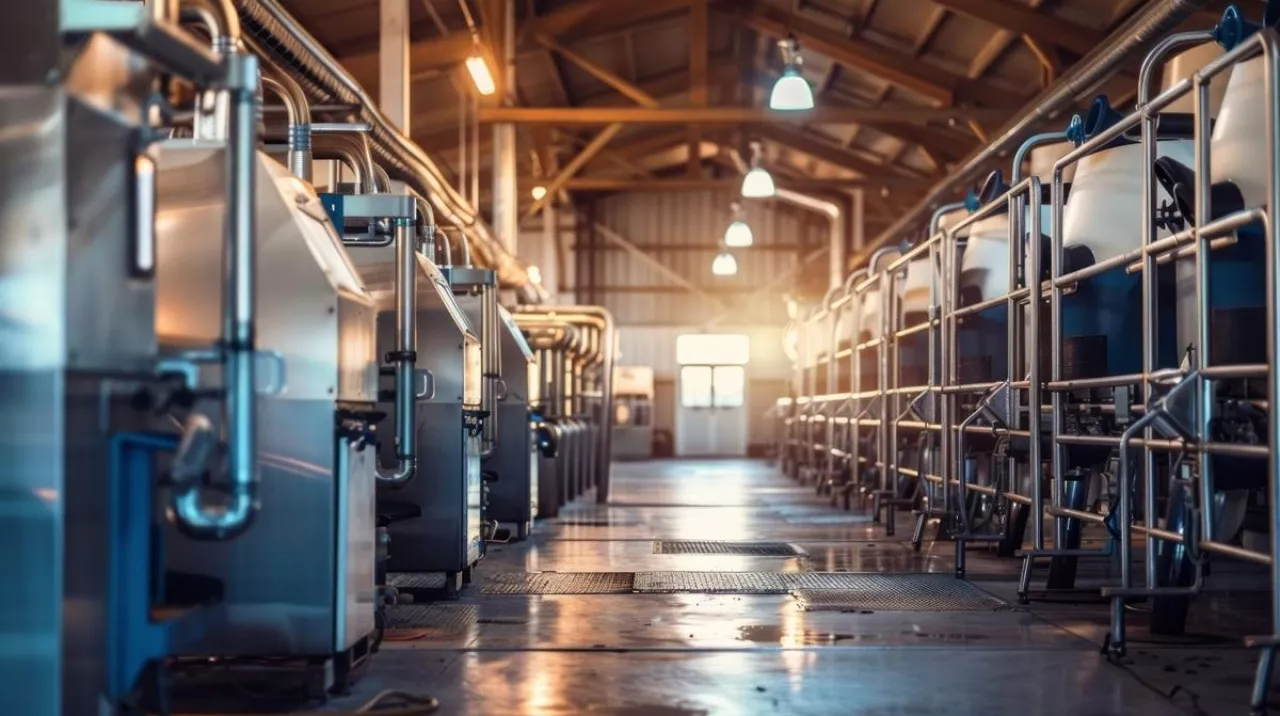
1034,417
1271,75
238,333
405,355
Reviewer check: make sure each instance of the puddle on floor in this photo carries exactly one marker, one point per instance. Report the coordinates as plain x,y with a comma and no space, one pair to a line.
774,634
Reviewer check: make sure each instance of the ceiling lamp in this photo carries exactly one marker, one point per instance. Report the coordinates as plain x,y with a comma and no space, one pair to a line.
758,183
738,235
538,192
724,265
791,92
480,75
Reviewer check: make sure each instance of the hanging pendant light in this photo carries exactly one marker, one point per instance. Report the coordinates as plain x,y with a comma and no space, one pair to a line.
791,93
724,264
738,235
758,183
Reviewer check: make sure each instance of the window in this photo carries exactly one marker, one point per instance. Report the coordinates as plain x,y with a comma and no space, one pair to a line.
705,386
713,349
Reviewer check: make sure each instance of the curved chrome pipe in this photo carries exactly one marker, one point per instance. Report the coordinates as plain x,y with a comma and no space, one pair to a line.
234,512
322,75
405,356
298,109
354,153
599,317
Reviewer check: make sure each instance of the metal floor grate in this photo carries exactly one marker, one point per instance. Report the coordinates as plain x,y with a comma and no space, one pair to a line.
445,617
746,549
827,519
712,582
416,580
598,522
558,583
847,591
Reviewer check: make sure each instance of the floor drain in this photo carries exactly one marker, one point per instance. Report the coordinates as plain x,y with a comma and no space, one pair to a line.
558,583
849,591
745,549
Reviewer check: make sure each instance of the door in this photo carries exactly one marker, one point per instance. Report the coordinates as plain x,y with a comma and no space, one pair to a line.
711,416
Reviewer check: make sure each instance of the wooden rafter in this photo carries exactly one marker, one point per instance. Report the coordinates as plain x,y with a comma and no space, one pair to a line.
733,115
614,184
1024,20
574,165
623,86
698,89
994,48
931,27
826,150
899,68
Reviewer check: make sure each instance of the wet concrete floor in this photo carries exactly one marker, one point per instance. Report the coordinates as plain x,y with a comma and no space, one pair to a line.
686,653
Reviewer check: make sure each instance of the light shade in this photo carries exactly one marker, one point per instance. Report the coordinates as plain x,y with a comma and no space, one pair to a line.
538,192
724,265
758,184
791,92
480,75
738,235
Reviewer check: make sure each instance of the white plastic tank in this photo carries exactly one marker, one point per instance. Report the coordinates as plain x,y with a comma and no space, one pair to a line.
1237,146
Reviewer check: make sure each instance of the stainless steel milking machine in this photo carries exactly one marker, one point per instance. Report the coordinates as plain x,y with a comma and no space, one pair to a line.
101,443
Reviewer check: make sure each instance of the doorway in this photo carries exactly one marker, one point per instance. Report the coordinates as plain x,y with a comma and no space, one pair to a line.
711,416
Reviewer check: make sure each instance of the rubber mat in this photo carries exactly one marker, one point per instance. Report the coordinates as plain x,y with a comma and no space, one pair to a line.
849,591
746,549
448,617
712,582
416,580
558,583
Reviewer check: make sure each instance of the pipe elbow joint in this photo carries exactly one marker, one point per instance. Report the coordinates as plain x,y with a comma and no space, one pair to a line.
198,520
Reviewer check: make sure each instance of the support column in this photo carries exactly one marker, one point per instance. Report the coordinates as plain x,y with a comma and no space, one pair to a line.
506,202
393,61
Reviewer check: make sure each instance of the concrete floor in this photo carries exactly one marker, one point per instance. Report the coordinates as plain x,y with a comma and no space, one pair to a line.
686,654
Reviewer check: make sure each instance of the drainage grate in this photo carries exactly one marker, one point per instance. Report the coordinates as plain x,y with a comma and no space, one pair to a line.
445,617
604,522
747,549
845,591
558,583
416,580
712,582
827,519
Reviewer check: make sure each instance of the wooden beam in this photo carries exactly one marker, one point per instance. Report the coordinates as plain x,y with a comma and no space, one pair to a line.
899,68
574,165
698,49
1023,20
624,87
733,115
611,184
823,150
994,48
931,28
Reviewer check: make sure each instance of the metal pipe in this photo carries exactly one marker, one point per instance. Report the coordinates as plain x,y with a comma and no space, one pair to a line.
298,108
234,513
352,150
602,320
1155,20
405,356
278,35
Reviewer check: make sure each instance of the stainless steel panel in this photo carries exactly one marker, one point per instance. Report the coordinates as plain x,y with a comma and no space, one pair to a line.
446,538
300,581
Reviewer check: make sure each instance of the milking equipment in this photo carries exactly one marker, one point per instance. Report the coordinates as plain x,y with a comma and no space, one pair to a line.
575,349
633,412
434,522
91,458
513,492
1130,391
